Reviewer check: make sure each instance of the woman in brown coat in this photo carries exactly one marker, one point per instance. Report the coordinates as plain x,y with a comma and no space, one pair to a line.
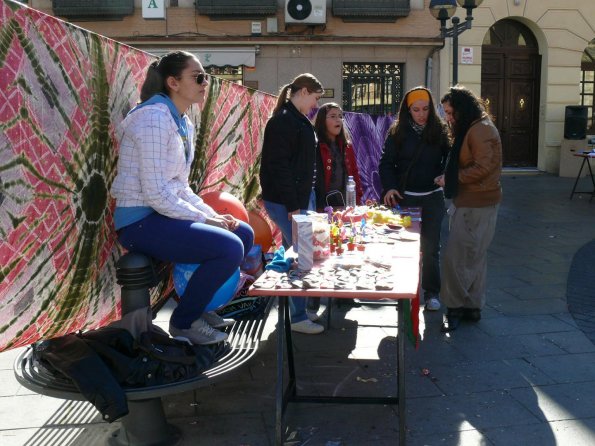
472,180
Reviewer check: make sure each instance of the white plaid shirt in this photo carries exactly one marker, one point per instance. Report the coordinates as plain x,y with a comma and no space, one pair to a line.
152,168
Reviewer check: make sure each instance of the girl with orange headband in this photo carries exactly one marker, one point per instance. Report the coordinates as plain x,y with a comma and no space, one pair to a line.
414,154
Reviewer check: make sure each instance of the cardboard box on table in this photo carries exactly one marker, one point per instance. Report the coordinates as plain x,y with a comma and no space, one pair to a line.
310,239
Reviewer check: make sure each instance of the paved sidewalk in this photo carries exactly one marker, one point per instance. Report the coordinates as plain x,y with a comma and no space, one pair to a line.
523,375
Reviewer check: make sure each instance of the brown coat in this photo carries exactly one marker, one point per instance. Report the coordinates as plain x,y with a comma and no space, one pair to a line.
480,166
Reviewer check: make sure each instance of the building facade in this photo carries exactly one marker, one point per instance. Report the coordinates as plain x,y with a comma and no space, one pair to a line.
528,58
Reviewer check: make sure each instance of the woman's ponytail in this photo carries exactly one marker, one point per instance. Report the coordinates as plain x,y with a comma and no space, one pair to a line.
153,84
172,64
282,98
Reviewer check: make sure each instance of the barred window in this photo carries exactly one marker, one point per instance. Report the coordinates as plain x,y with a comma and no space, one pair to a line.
373,88
233,74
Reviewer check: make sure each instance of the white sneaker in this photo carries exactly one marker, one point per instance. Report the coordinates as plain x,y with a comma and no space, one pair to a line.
312,315
432,304
199,333
307,327
216,321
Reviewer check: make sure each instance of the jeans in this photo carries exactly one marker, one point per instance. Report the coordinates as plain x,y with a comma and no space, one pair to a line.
218,251
278,213
432,214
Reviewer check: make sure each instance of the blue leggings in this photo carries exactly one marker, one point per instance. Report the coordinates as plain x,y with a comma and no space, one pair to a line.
218,251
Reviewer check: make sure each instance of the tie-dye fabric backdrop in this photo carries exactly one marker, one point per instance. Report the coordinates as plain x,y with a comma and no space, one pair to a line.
368,134
63,91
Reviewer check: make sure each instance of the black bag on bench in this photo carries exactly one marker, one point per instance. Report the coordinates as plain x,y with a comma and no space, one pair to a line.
104,361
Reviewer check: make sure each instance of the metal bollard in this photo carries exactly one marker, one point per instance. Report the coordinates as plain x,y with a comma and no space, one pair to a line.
145,424
135,274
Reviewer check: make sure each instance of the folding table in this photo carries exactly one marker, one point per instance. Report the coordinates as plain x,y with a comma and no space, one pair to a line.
403,257
586,156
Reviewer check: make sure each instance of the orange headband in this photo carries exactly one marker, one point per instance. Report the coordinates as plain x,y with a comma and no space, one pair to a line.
417,95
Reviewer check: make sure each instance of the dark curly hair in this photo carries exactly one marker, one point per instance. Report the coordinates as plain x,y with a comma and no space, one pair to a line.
467,108
435,132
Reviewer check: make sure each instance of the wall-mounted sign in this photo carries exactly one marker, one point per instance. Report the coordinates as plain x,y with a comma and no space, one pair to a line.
467,55
256,28
153,9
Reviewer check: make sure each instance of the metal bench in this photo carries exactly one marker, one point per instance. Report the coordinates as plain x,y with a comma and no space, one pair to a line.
146,423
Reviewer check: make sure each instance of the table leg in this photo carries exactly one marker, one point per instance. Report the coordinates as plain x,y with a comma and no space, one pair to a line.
289,345
401,371
578,176
285,394
592,179
279,409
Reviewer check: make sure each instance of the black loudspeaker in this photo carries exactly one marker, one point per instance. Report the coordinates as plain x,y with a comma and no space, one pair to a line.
575,122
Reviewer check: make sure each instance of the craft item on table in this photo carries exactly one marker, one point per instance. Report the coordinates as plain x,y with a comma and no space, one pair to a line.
320,236
263,284
329,213
365,285
364,277
384,285
345,284
303,239
363,228
268,279
385,281
311,281
296,283
347,261
380,263
327,284
377,260
279,262
408,236
284,283
351,214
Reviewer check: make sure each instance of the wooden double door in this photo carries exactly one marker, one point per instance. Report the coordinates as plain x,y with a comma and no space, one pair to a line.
510,80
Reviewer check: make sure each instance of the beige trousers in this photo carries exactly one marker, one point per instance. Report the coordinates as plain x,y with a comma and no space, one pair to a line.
464,260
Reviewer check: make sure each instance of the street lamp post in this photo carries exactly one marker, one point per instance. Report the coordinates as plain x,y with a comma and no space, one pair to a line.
443,10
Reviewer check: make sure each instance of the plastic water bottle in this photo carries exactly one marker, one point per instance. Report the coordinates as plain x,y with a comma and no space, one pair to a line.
350,192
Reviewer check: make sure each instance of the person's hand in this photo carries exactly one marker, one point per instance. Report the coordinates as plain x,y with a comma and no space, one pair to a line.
232,222
439,180
291,214
392,197
217,222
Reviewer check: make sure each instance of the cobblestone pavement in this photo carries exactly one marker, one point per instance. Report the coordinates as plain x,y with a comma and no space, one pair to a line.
523,375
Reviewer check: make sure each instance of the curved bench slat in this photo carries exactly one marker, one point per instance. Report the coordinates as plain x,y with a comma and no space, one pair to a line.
244,339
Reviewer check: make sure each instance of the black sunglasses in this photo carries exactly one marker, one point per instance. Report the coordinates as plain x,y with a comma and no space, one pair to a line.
201,78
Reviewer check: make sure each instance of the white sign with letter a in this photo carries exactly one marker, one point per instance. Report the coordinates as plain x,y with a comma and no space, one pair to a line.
153,9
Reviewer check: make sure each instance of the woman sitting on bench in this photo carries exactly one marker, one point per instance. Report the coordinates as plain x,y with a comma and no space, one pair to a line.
157,213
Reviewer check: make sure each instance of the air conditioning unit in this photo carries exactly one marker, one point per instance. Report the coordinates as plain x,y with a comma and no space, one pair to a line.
308,12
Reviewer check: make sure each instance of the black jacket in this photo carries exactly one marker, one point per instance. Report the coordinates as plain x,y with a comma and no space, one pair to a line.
395,161
288,159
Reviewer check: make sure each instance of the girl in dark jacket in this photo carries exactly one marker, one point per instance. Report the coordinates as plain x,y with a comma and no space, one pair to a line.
336,157
289,167
414,155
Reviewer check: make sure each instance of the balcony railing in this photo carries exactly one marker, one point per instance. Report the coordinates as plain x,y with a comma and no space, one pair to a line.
371,10
236,8
93,9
